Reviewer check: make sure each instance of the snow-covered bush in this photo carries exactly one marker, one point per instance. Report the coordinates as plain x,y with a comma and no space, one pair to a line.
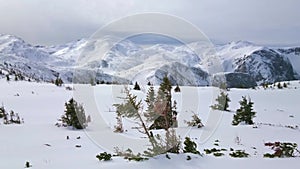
10,118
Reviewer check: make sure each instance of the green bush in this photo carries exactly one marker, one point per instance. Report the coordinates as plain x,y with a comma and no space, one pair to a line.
103,156
218,154
239,154
213,150
282,150
129,155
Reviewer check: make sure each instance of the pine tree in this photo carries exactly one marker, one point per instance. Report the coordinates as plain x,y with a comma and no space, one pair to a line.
27,165
177,89
163,106
196,121
150,99
223,101
190,146
156,106
131,109
284,85
136,86
245,113
7,78
92,82
279,86
2,112
74,115
9,118
58,81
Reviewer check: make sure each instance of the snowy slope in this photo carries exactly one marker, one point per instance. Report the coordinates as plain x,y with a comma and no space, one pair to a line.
42,104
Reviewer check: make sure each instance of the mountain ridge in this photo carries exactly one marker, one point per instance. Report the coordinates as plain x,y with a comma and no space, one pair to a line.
128,62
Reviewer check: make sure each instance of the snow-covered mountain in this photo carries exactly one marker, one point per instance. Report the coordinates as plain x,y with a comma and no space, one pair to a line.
239,62
264,65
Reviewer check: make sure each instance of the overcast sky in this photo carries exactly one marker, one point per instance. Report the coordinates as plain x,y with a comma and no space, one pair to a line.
270,22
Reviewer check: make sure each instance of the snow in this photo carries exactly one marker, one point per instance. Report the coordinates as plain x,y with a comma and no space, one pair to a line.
41,104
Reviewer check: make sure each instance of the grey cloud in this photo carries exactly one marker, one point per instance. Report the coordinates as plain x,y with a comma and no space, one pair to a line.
60,21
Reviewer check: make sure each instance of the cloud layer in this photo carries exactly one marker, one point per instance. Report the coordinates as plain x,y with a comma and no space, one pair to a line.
60,21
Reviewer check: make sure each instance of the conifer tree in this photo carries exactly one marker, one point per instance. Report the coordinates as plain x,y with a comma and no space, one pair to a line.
7,78
279,85
190,146
58,81
223,101
136,86
132,108
74,115
150,99
245,113
163,106
2,112
195,122
177,88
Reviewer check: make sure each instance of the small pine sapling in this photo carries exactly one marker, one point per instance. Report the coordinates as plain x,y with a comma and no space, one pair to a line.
284,85
27,164
177,89
222,102
136,86
279,86
190,146
195,122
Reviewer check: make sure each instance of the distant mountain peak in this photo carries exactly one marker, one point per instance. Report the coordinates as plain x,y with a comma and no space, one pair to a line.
126,61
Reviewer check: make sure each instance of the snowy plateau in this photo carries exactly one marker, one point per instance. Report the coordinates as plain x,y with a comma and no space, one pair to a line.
40,104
